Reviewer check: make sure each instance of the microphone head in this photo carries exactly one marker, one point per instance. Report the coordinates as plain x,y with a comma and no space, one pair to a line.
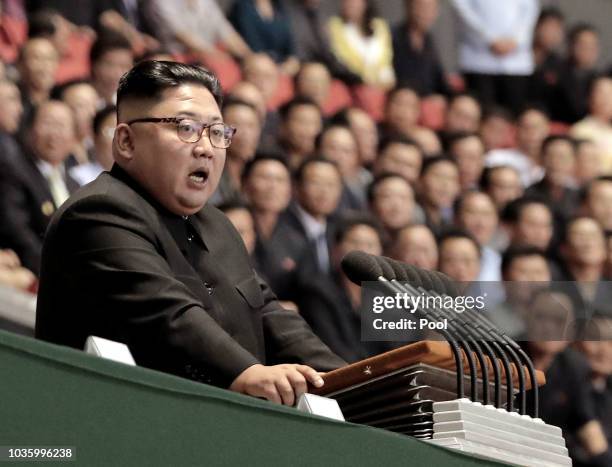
360,267
450,287
398,270
387,270
438,284
425,278
411,274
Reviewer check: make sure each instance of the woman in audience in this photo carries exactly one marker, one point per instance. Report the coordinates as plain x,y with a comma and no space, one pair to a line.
362,42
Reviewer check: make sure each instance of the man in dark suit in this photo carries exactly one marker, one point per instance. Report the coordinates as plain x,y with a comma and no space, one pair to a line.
139,257
35,183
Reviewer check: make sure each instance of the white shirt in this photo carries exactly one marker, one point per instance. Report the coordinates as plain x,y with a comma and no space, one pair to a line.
56,180
482,22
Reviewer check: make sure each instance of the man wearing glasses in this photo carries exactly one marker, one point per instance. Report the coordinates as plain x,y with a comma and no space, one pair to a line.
138,256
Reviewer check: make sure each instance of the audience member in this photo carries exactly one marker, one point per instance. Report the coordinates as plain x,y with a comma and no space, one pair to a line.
468,151
597,201
596,125
391,200
300,125
529,221
459,256
495,49
401,156
503,184
111,57
589,162
475,212
265,28
532,129
415,57
362,42
318,187
570,97
34,186
415,244
438,188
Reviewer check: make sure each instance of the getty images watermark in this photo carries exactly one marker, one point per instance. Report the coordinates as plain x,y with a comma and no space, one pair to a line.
527,311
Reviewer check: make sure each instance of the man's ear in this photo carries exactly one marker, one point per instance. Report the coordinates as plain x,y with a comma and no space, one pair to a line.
123,142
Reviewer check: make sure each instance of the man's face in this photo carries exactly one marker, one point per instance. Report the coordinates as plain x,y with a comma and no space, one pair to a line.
601,99
417,246
559,162
440,184
479,217
423,13
589,162
528,269
549,34
268,186
320,189
598,347
53,133
261,70
109,68
360,237
403,111
585,50
402,159
314,81
469,154
393,203
533,127
103,141
463,115
83,100
10,103
459,259
302,127
245,141
599,203
39,64
534,226
242,220
181,176
366,133
339,145
505,186
586,243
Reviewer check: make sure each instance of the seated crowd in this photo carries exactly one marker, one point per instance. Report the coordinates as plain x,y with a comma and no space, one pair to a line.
350,136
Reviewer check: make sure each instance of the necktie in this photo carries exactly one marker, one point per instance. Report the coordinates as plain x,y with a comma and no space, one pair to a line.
322,252
58,189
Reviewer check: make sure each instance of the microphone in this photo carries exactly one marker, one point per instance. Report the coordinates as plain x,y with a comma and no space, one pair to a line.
484,324
404,275
361,267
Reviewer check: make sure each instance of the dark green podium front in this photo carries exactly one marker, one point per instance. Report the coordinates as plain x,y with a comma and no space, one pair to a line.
116,415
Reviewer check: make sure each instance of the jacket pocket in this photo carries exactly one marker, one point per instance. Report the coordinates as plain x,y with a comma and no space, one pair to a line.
251,292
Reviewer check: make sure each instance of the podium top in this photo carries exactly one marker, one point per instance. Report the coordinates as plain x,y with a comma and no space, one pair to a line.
434,353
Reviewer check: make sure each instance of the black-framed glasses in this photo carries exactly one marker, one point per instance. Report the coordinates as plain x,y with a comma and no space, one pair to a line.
191,131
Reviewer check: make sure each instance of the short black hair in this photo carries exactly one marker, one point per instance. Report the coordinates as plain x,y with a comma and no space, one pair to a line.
233,204
487,173
554,138
351,219
287,108
106,42
299,173
429,162
457,136
460,201
398,139
148,79
397,89
458,233
586,191
58,90
101,115
550,12
496,111
262,157
42,23
579,28
371,191
514,209
327,128
232,101
515,252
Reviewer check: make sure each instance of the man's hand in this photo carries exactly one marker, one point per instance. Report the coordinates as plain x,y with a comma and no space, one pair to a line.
503,46
282,384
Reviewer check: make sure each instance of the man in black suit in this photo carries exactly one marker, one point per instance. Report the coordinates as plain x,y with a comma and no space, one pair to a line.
139,257
35,183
